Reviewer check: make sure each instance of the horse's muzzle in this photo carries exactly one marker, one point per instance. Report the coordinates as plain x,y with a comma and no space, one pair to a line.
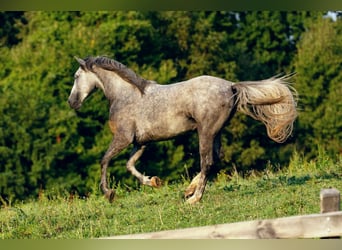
74,104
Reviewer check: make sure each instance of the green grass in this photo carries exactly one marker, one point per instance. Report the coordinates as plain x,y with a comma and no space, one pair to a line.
294,191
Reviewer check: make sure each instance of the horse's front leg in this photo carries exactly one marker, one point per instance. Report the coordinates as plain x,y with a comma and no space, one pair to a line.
115,148
145,180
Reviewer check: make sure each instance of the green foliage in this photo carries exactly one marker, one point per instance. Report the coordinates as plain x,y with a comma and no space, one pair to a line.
319,83
266,42
45,145
9,29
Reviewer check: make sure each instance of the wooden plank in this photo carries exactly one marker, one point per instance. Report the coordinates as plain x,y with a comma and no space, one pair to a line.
307,226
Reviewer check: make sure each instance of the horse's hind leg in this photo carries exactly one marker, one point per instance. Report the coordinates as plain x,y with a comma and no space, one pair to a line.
190,190
145,180
206,142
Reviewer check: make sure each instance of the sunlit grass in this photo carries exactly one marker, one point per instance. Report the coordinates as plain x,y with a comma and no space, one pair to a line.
228,198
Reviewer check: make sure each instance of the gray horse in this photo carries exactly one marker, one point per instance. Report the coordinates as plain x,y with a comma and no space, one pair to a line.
142,111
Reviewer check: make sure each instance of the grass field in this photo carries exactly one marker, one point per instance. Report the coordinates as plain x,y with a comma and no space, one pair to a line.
292,191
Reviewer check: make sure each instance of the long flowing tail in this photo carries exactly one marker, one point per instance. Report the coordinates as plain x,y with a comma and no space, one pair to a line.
272,101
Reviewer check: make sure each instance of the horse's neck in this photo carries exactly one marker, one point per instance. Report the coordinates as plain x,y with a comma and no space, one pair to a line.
116,89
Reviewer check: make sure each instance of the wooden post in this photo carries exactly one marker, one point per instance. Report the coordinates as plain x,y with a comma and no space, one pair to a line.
330,202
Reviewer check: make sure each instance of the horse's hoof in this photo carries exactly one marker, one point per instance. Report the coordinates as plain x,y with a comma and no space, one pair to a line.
110,195
193,200
189,192
155,181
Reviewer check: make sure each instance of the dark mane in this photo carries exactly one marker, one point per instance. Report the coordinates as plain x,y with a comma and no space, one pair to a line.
123,71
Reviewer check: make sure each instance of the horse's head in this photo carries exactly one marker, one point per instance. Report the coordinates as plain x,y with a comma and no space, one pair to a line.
84,83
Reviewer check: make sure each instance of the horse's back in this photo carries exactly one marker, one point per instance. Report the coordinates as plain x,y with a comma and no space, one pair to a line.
205,86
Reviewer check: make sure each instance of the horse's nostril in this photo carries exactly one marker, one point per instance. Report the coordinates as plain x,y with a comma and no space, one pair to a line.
71,103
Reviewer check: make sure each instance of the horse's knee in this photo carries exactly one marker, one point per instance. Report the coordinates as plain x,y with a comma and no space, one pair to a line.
103,162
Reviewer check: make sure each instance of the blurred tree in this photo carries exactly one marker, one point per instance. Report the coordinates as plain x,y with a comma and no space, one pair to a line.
319,82
9,27
266,41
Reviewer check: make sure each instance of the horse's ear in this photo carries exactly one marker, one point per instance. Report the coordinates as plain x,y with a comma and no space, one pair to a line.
81,62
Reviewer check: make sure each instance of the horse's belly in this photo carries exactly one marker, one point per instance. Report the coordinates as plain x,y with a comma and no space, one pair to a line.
164,129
